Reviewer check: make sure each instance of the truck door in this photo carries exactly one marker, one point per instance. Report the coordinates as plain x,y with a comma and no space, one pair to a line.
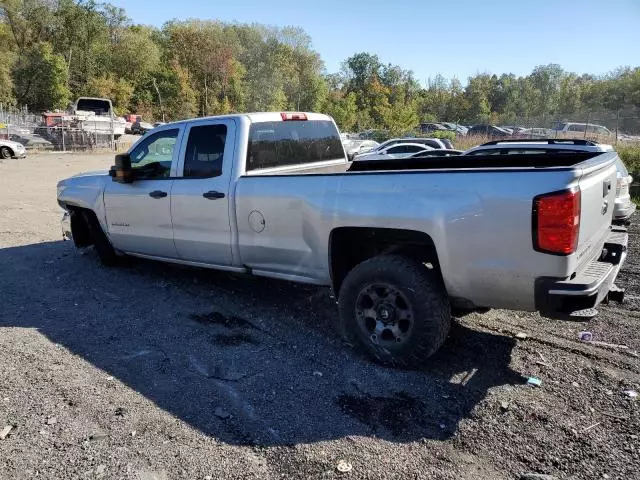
200,195
138,214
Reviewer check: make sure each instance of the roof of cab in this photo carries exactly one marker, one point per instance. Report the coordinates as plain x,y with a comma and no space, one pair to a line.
253,117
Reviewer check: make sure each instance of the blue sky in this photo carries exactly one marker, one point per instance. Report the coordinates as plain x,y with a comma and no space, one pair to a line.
453,38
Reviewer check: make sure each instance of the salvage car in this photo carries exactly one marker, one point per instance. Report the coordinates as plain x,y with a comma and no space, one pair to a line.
430,142
403,244
11,149
355,147
488,131
140,128
393,151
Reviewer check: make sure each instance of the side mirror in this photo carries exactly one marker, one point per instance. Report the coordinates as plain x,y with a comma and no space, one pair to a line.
122,172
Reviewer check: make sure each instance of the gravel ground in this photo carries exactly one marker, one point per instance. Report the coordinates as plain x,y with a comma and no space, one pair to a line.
153,371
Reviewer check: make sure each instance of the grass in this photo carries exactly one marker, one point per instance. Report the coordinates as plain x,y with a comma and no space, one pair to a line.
469,141
630,155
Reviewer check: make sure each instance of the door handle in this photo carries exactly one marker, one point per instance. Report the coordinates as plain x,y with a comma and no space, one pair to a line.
158,194
213,195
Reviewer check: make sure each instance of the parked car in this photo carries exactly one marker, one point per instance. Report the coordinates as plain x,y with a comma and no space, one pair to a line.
574,128
454,127
11,149
273,195
513,129
428,127
623,207
356,147
488,131
536,132
140,128
377,135
437,143
394,151
625,137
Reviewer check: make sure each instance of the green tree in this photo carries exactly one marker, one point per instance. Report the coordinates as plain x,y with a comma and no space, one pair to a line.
40,79
134,54
343,109
119,90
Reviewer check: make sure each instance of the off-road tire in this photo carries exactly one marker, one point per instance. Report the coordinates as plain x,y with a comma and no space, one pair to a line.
101,243
6,153
429,303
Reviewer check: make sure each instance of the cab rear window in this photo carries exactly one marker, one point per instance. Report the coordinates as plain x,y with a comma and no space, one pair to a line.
280,144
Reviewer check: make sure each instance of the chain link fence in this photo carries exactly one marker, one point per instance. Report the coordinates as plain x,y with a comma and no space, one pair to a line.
61,131
610,126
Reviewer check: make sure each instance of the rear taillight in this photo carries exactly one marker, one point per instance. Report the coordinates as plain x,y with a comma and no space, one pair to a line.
556,222
293,116
618,186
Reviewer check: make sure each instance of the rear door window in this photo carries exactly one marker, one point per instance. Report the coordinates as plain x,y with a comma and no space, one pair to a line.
285,143
204,152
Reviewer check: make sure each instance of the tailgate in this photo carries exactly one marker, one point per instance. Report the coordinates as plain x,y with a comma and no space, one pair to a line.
597,197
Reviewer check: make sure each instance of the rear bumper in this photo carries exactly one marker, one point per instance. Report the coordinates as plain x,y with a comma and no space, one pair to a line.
623,211
575,298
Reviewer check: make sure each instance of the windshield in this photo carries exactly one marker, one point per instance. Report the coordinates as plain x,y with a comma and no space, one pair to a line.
96,105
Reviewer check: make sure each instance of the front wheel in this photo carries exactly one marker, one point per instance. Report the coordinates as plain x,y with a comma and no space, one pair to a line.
5,152
395,309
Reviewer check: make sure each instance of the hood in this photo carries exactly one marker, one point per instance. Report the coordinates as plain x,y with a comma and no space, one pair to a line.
93,173
83,190
11,144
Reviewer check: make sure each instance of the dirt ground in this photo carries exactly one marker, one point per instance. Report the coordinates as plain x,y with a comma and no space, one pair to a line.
151,371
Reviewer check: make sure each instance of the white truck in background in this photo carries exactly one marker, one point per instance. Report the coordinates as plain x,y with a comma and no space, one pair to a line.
96,116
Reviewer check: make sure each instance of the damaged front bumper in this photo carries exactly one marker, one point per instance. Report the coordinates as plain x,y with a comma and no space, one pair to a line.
66,226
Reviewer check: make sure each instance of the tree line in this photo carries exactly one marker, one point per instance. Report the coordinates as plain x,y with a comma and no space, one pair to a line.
56,50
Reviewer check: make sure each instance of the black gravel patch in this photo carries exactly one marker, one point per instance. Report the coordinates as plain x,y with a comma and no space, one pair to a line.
400,414
234,340
217,318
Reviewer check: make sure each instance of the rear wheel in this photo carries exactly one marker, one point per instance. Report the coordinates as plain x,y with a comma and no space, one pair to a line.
101,243
6,152
395,309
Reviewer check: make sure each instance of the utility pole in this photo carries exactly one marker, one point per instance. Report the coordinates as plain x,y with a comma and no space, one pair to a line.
586,127
155,85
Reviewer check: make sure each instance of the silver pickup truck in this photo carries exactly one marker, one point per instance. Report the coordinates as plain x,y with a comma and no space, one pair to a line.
404,244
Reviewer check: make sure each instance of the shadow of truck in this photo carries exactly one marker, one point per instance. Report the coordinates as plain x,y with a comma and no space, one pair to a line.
244,360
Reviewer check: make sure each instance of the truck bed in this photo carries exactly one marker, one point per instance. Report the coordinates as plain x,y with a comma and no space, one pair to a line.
476,210
460,162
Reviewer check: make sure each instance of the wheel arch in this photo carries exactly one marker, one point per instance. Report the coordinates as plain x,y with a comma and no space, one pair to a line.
79,228
350,246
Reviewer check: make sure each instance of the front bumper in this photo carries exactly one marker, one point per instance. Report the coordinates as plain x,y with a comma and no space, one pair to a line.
65,223
575,298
